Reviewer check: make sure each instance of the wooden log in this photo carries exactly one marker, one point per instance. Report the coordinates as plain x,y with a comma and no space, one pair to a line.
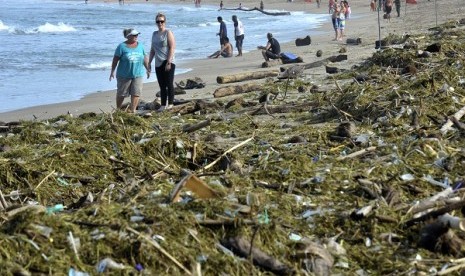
337,58
458,115
436,213
314,64
356,154
186,108
332,70
236,89
242,247
286,108
257,9
246,76
192,128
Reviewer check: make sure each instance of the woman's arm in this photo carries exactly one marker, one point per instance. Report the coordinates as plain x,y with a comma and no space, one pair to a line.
171,48
113,67
147,65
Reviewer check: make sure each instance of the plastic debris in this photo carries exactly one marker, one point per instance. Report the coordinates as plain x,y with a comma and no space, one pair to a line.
108,263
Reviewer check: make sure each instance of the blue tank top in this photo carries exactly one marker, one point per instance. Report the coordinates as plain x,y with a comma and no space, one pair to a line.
131,61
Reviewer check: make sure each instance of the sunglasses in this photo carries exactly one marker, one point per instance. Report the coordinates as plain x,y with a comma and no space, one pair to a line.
160,21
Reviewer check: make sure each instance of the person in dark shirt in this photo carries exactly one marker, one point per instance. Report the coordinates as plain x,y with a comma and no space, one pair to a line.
223,31
272,50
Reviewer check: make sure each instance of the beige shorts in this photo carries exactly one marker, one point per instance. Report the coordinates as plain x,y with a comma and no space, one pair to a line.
126,87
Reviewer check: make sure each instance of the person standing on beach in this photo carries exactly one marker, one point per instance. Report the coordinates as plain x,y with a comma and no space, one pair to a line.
333,10
397,3
272,50
388,10
129,61
341,21
221,5
162,49
238,34
223,30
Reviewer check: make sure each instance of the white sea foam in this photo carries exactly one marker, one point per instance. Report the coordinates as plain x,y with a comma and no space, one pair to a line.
52,28
99,65
3,26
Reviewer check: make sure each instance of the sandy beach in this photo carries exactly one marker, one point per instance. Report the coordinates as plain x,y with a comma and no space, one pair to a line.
363,24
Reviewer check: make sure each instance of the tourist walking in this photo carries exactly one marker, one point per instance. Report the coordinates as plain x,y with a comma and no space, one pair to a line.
162,49
129,61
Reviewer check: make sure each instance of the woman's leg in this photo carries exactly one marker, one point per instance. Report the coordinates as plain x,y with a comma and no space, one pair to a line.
160,71
170,83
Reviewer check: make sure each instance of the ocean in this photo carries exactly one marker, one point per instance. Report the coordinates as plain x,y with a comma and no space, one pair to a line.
59,51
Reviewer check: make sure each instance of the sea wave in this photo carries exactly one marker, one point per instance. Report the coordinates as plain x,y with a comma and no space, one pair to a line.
3,26
52,28
99,65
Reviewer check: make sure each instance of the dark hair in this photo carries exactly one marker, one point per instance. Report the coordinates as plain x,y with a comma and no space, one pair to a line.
234,18
219,18
127,31
225,39
269,35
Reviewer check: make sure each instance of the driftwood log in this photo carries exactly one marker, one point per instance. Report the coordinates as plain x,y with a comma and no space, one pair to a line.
192,128
337,58
285,108
236,89
242,248
257,9
246,76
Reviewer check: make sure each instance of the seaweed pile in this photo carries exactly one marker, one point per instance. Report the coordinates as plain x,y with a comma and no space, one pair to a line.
362,178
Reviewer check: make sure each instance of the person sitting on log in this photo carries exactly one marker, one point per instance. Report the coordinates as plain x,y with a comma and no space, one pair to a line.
225,51
272,50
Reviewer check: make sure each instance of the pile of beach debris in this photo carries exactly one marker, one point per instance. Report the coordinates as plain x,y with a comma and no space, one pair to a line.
365,178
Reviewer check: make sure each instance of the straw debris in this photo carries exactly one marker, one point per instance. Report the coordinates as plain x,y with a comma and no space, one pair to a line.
347,179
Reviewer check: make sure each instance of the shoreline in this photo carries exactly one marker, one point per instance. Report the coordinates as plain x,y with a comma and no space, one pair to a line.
364,24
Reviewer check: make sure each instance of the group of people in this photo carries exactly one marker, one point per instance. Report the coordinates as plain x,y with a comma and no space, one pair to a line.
226,49
340,12
130,60
272,50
